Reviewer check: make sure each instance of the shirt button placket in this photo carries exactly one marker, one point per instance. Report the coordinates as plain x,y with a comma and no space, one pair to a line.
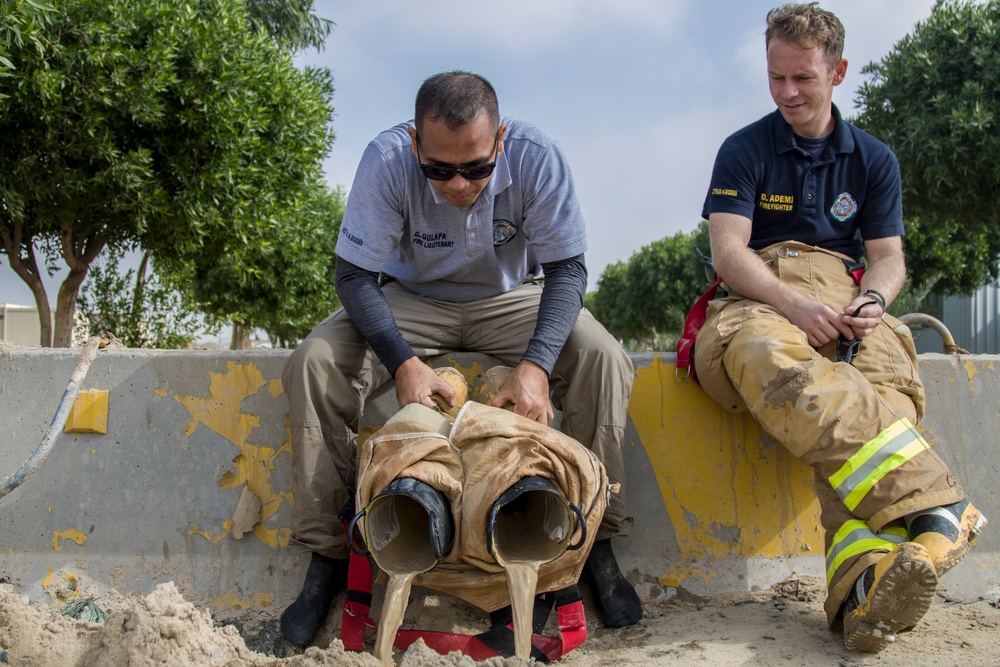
809,191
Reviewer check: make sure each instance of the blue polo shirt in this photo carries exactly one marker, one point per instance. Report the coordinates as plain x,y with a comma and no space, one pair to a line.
851,193
527,215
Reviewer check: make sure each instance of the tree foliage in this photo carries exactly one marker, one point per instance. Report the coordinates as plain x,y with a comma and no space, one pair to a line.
134,306
935,100
290,22
20,24
279,280
176,127
652,292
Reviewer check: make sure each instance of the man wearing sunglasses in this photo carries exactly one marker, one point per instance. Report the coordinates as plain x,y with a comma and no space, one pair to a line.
796,201
451,222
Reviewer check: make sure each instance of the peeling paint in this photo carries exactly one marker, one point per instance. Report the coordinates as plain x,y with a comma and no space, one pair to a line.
71,534
274,386
253,465
213,538
220,411
971,370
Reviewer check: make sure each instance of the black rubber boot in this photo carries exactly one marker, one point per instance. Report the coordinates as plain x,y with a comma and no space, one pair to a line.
326,577
614,596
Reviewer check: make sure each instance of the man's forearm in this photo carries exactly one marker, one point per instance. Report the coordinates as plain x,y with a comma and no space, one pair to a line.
746,273
558,310
362,298
886,270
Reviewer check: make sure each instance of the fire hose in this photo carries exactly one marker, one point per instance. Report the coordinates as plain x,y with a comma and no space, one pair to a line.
59,420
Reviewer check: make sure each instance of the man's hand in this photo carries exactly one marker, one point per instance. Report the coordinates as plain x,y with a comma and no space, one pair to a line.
416,382
820,323
868,318
528,389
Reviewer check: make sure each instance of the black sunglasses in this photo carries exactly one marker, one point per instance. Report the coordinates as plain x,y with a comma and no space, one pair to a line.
848,349
473,172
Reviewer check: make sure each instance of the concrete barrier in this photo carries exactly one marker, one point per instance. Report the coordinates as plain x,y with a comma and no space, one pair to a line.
191,482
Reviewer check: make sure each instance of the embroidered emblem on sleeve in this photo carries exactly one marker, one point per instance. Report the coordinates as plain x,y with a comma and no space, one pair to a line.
503,232
844,208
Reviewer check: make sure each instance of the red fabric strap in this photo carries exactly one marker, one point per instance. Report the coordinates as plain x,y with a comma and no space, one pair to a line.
572,631
356,618
357,615
695,320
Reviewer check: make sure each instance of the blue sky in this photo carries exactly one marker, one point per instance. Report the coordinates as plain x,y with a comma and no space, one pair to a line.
640,94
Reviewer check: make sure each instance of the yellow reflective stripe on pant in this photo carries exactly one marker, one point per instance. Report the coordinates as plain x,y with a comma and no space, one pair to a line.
855,538
891,448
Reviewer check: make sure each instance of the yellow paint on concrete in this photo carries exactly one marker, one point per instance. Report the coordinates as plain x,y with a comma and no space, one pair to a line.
161,392
728,488
69,584
275,537
274,386
69,587
231,601
971,370
71,534
220,411
253,465
675,577
213,538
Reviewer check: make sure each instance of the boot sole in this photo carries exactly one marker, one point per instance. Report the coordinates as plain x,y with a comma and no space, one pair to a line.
897,601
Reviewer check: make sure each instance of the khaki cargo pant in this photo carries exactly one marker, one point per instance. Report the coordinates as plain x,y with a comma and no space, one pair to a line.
330,374
853,423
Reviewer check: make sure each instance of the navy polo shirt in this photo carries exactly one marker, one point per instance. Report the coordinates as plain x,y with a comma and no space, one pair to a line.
850,194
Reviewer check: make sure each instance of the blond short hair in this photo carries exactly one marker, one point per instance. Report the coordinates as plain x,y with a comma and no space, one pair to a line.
808,26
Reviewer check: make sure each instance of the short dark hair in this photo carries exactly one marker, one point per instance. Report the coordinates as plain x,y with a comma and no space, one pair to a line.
808,26
457,98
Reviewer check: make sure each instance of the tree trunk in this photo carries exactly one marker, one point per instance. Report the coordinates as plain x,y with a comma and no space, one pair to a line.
241,336
66,308
26,268
136,314
79,252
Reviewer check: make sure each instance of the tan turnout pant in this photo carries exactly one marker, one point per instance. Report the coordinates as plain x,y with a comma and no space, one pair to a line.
331,373
853,423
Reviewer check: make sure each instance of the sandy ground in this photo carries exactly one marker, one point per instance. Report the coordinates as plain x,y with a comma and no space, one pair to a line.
783,626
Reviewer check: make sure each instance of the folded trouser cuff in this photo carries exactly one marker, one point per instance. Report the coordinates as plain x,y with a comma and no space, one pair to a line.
916,504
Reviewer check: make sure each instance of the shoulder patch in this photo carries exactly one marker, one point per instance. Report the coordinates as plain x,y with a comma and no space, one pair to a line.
503,231
844,207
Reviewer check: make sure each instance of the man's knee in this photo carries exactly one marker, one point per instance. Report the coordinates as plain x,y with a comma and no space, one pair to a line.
764,343
305,360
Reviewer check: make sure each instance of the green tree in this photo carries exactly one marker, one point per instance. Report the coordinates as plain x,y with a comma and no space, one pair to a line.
136,307
651,294
290,22
281,282
20,24
176,127
935,100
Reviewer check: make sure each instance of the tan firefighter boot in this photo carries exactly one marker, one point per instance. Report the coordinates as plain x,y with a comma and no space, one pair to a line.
889,597
948,532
